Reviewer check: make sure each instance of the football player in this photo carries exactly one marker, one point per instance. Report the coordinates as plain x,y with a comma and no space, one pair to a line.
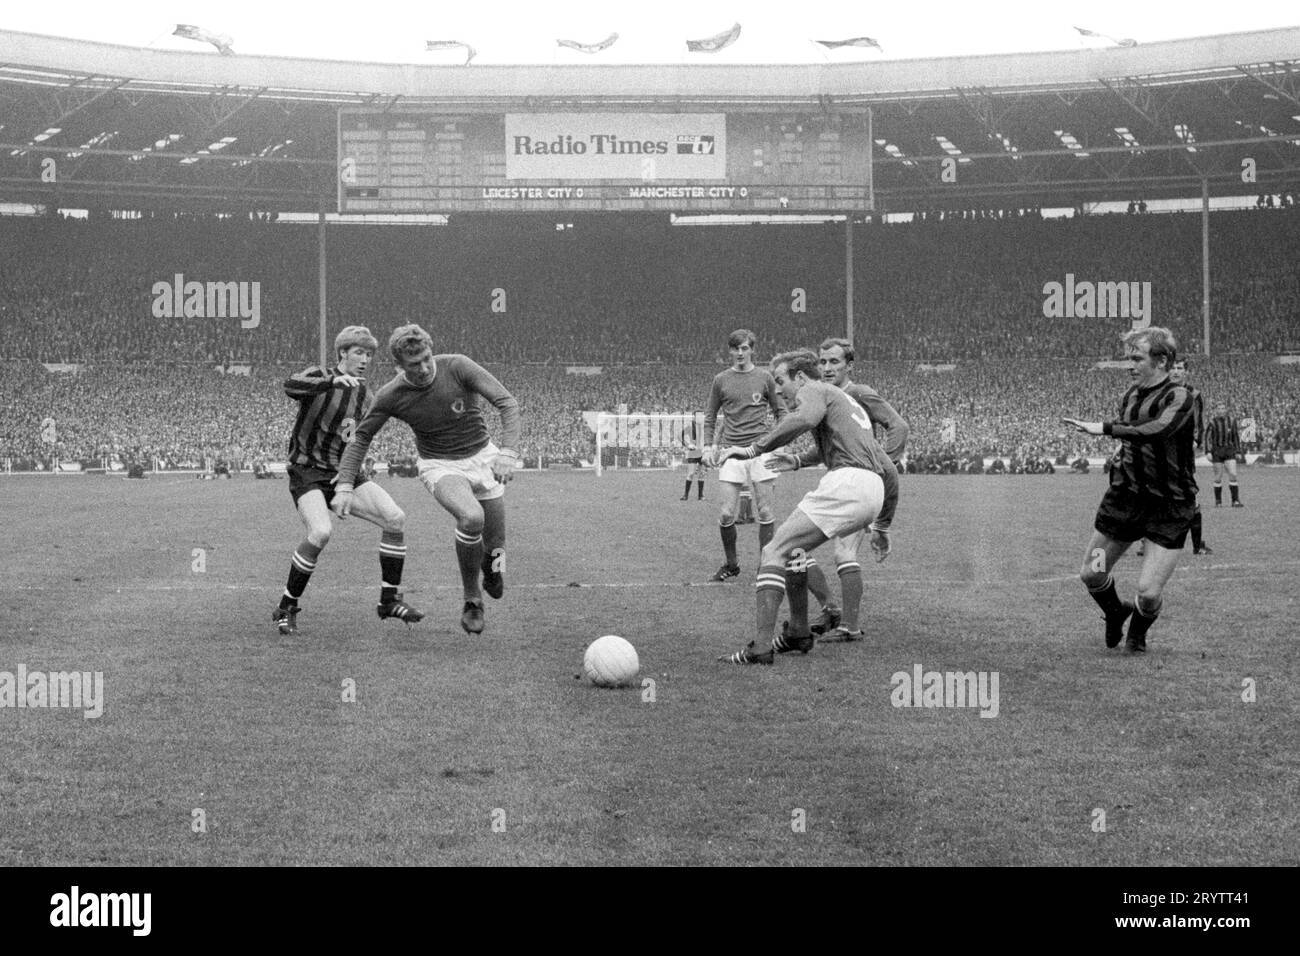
330,403
858,491
439,397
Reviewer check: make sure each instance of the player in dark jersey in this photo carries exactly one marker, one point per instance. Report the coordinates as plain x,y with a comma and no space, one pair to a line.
1223,436
835,361
694,470
1152,491
1178,375
439,396
330,403
744,394
853,494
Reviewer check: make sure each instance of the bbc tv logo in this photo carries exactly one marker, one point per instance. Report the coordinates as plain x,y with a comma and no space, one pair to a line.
695,145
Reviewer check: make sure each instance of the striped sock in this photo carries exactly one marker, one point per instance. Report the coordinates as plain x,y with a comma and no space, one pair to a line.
851,592
300,569
392,556
469,555
770,588
1106,597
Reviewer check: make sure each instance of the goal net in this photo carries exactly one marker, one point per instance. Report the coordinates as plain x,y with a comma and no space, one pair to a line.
645,441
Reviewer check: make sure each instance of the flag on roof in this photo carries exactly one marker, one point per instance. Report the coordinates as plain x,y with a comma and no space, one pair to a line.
470,52
219,40
604,44
1127,41
714,43
853,41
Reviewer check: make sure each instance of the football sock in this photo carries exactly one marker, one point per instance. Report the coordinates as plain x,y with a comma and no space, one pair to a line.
469,555
494,560
392,555
1147,612
1232,490
1197,542
851,592
765,531
816,583
770,589
1106,597
300,569
796,591
687,493
1218,493
494,534
699,486
729,543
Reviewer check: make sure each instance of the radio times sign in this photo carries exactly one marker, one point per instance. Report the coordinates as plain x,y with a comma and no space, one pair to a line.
610,146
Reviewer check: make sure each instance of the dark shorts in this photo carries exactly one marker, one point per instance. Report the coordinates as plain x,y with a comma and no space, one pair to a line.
1127,517
303,479
1219,456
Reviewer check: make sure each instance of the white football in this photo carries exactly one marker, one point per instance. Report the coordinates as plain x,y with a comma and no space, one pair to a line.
611,661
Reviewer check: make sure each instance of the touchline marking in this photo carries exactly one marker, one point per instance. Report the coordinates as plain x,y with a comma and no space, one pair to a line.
1196,571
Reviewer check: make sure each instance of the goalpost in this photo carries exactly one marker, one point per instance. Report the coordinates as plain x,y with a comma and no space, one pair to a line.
648,435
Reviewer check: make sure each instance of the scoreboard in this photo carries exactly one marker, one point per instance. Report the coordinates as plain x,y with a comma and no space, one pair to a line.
420,161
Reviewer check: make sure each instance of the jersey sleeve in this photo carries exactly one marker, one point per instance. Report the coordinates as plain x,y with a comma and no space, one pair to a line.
365,432
896,427
1170,418
890,478
478,379
308,383
810,410
711,412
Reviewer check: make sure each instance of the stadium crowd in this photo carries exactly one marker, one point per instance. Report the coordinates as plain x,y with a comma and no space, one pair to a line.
189,416
648,303
629,290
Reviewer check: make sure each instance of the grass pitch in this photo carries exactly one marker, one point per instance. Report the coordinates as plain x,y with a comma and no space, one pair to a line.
488,750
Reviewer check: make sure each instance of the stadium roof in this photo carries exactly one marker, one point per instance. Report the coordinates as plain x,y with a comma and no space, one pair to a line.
142,128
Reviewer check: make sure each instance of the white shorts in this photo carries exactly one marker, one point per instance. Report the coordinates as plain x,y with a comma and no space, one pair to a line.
844,501
477,470
738,471
846,547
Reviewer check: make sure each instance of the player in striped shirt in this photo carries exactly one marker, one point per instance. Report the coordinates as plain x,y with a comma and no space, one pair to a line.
330,403
1152,491
854,494
1223,435
1178,375
439,396
744,394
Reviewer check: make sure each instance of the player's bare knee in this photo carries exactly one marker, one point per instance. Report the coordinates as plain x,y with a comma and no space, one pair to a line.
395,521
1149,593
318,533
764,513
470,522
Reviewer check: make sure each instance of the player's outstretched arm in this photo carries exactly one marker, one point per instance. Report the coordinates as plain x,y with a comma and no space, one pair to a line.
308,383
360,444
1091,428
1167,421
